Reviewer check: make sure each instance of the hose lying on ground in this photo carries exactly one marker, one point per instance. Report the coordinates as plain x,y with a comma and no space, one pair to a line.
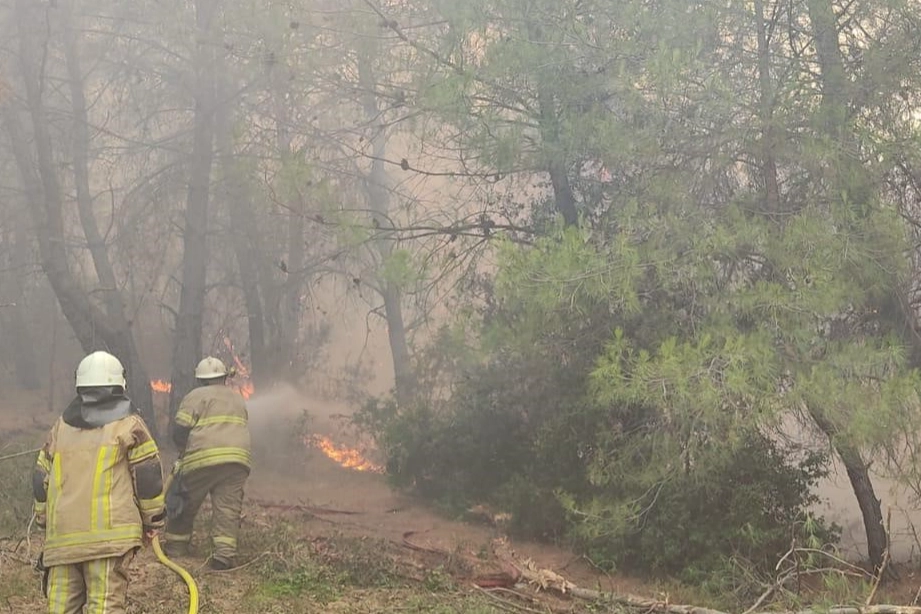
189,580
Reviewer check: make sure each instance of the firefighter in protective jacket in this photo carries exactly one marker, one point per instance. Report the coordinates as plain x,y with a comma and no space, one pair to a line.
211,432
98,490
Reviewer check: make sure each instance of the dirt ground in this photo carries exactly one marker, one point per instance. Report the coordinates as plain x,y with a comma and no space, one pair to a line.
318,537
299,506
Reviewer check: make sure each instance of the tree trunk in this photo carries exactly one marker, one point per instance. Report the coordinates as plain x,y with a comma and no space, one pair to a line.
833,77
293,285
548,120
563,196
849,177
24,361
236,194
404,376
138,381
379,202
16,325
187,344
859,475
91,326
766,90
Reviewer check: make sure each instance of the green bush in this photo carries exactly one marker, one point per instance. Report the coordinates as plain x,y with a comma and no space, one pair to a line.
528,450
748,500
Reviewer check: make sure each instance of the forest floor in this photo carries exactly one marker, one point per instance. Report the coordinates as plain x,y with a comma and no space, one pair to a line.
317,537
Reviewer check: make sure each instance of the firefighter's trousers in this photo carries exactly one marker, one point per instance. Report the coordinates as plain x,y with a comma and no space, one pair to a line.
101,585
225,484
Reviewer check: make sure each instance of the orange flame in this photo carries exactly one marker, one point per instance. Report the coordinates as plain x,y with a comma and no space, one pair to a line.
349,458
159,385
245,387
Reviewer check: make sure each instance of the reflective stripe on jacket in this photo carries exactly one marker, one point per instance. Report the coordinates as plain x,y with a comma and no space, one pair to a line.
94,508
218,428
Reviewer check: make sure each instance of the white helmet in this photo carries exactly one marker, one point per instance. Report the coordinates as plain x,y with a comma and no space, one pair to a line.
100,369
210,368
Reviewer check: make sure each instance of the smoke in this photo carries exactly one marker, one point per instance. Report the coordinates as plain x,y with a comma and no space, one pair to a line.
839,504
280,417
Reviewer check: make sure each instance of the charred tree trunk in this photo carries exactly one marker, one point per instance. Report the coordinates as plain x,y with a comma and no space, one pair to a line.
850,178
90,324
187,344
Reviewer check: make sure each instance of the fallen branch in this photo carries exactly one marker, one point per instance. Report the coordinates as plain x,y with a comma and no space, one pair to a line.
18,454
546,579
295,507
412,546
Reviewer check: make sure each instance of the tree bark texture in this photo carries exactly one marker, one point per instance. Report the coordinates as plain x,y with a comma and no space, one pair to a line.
187,344
858,474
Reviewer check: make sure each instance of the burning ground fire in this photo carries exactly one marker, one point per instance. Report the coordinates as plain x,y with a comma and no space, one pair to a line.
350,458
242,383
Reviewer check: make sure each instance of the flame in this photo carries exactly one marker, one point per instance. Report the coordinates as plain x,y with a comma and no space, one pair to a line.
245,386
159,385
242,384
349,458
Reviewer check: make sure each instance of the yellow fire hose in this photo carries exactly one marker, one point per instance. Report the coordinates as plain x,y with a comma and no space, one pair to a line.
182,573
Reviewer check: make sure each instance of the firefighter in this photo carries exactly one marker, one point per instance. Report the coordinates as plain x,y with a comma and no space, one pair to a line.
210,431
98,490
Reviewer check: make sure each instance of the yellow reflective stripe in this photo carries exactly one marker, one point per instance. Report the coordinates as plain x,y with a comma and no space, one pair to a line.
44,462
122,533
147,505
215,456
177,537
56,480
98,484
100,514
59,580
225,541
111,459
142,452
184,419
91,578
221,420
98,586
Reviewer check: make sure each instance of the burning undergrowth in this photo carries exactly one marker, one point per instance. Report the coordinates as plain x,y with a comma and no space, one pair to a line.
287,426
344,456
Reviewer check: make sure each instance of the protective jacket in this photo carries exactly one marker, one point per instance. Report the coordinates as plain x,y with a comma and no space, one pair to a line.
97,484
211,428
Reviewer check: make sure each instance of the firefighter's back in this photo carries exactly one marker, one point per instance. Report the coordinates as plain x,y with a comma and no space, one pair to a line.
219,428
91,498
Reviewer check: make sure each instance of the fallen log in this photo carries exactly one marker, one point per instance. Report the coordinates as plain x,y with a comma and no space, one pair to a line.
301,507
545,579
